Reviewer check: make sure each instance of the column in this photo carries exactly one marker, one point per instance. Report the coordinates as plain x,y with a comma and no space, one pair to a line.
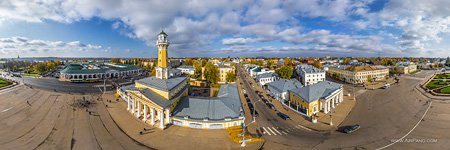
332,102
138,109
328,104
133,106
168,116
152,116
145,113
128,102
161,120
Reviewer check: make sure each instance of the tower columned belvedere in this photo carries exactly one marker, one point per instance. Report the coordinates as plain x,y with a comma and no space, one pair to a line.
162,70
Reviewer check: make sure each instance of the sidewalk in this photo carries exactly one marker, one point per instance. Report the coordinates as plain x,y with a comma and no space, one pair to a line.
173,137
323,123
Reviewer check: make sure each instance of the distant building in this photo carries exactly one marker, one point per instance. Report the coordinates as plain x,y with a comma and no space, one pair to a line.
322,96
258,70
188,70
405,67
358,74
279,88
223,71
265,78
309,74
91,72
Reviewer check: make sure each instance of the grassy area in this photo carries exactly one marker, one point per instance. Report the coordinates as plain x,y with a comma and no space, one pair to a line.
442,76
437,83
32,75
4,83
445,90
414,72
234,132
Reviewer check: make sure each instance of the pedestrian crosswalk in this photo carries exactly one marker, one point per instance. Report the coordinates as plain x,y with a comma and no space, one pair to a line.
271,131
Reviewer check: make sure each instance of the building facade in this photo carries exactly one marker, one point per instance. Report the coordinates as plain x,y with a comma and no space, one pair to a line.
223,71
405,67
266,78
322,96
279,88
358,74
309,74
187,70
80,72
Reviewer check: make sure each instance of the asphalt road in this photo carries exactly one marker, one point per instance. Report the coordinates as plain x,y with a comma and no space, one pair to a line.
385,115
52,84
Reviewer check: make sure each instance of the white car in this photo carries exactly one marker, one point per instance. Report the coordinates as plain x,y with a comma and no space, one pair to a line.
386,85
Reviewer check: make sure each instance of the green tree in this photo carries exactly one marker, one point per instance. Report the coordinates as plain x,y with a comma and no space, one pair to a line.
188,62
197,69
270,63
211,73
40,68
285,72
231,76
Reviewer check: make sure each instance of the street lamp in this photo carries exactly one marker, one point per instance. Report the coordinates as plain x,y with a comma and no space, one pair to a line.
243,133
331,119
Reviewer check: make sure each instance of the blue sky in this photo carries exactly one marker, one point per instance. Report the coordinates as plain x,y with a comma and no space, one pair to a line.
288,28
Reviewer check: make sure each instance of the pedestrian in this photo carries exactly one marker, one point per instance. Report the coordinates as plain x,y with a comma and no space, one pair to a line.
28,103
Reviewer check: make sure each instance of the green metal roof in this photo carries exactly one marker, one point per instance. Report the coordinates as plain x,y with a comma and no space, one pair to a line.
79,69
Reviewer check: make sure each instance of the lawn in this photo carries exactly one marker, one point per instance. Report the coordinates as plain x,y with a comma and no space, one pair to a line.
32,75
437,83
4,83
442,76
445,90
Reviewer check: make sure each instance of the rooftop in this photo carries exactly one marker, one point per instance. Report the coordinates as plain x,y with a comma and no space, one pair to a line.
309,69
165,85
265,75
226,105
84,68
316,91
284,85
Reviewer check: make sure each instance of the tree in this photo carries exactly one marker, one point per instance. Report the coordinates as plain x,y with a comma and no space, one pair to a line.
260,62
346,61
317,64
115,60
231,76
270,63
285,72
153,73
211,73
369,78
197,69
188,62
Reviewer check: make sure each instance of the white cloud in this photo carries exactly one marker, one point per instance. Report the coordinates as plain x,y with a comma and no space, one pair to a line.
195,24
10,47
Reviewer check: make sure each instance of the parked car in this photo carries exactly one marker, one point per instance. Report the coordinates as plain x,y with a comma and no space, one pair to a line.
283,116
270,105
352,128
386,85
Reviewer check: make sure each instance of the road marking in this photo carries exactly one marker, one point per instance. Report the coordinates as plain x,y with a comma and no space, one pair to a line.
271,131
284,133
7,109
423,116
276,130
265,131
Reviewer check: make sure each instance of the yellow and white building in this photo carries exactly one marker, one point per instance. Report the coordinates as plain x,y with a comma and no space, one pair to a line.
155,99
405,67
358,74
322,96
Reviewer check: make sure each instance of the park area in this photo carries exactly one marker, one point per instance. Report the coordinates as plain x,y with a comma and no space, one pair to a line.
440,83
4,83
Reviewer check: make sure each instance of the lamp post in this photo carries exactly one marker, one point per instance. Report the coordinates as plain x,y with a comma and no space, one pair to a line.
243,132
